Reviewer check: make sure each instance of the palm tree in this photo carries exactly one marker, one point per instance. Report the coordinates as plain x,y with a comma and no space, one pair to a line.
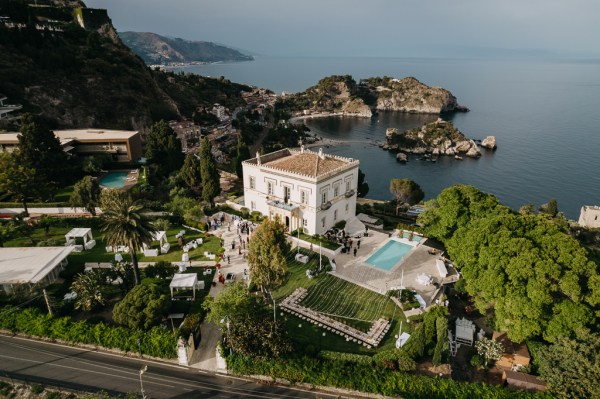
90,289
123,224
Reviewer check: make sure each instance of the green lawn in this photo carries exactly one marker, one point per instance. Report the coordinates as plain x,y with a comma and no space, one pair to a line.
77,260
344,301
332,245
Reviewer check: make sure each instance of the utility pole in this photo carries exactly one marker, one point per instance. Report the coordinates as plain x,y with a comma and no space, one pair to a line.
47,302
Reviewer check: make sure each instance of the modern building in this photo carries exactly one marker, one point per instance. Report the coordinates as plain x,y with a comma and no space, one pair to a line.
304,188
6,109
121,145
590,217
31,265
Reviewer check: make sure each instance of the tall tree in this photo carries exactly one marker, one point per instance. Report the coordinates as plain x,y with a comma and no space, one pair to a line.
17,179
537,279
571,367
163,149
142,307
266,254
190,173
363,186
406,191
242,154
86,194
211,186
124,224
90,289
41,150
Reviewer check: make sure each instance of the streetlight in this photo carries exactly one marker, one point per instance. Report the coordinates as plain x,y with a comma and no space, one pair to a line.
320,338
139,346
226,321
142,371
274,310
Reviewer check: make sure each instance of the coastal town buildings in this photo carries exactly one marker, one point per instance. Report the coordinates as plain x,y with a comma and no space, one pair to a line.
306,189
120,145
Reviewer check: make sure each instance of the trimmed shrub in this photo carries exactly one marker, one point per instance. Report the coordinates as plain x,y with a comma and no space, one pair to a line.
157,342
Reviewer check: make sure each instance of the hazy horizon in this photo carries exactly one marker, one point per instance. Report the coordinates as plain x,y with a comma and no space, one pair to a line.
379,28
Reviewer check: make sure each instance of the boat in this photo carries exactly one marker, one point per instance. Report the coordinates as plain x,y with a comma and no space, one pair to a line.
458,157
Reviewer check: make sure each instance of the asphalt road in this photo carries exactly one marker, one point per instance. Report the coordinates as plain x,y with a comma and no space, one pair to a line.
85,370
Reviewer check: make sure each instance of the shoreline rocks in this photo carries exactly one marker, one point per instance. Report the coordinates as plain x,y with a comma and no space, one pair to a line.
436,138
489,143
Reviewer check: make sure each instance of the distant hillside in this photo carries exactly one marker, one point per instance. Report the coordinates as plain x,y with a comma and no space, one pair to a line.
66,62
156,49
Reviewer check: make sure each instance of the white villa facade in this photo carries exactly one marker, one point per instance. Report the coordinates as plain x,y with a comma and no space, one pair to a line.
304,188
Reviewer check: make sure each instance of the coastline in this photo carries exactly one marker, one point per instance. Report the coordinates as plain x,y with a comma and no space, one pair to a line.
294,119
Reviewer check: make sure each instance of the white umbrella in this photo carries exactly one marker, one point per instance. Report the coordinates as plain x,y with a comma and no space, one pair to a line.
118,258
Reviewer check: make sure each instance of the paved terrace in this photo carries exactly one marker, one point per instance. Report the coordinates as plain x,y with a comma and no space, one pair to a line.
417,261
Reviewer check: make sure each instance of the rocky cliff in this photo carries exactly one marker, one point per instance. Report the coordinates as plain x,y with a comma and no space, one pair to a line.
341,94
157,49
410,95
436,138
66,62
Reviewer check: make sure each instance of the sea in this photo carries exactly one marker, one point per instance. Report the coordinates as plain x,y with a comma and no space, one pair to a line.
545,116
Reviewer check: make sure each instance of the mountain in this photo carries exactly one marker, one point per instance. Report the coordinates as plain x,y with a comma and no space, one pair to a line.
66,62
157,49
342,94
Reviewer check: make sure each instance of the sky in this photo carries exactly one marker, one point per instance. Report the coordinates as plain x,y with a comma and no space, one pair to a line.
373,28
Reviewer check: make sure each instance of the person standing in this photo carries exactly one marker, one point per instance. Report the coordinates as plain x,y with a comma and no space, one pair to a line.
355,252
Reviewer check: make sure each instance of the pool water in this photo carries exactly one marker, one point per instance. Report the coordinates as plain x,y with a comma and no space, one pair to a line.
415,238
389,255
113,179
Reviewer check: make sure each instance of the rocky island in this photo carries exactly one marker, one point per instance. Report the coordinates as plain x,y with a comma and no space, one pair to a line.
436,138
342,95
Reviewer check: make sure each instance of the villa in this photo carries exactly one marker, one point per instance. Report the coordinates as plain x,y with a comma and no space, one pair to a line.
304,188
121,145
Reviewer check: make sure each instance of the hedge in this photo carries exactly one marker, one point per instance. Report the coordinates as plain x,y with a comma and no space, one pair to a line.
156,342
366,378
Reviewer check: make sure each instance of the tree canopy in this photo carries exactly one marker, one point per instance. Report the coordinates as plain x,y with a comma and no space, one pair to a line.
406,191
142,307
537,279
362,186
211,186
190,173
242,154
246,323
39,149
571,367
266,254
163,149
86,194
17,179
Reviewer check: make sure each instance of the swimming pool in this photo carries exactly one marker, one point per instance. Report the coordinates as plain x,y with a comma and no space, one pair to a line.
389,255
113,179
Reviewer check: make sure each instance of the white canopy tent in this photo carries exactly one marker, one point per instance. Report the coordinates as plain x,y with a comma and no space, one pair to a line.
185,281
163,244
80,232
354,227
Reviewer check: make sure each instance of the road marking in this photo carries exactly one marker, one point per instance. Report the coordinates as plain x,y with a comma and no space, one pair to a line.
79,369
153,379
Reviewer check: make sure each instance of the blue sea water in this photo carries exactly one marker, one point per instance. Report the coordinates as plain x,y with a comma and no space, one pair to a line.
544,114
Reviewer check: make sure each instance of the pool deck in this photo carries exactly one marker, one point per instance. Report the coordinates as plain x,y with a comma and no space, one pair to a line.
417,261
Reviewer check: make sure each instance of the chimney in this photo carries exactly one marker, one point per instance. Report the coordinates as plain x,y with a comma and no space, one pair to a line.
321,155
258,158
